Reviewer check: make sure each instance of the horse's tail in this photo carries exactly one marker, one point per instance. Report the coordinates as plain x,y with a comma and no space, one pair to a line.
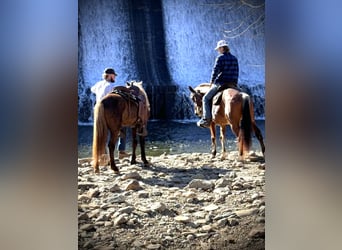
245,134
100,133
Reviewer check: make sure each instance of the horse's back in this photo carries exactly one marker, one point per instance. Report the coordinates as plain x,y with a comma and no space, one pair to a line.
229,108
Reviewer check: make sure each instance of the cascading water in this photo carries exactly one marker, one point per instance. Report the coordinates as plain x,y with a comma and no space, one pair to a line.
169,45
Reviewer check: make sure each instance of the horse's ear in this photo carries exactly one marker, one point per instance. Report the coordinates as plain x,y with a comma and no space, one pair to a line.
128,84
192,90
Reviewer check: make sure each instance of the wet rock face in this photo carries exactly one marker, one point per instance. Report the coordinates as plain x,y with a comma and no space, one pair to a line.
168,45
180,201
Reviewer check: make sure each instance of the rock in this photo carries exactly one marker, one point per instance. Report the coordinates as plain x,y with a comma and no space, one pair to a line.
237,185
102,217
143,194
182,218
132,175
200,184
260,220
87,227
255,196
125,210
99,223
108,223
190,237
81,161
262,166
222,222
199,214
138,243
94,213
88,244
246,212
144,209
201,221
222,182
220,199
93,193
247,185
83,198
232,175
233,222
159,207
133,185
86,185
83,216
189,194
211,207
188,206
157,193
115,188
121,219
206,228
238,164
116,199
222,191
153,246
262,210
223,215
257,232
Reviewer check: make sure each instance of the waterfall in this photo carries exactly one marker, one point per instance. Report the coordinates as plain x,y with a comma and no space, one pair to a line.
169,45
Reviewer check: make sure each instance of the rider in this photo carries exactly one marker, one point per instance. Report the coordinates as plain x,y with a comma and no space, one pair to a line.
225,74
101,89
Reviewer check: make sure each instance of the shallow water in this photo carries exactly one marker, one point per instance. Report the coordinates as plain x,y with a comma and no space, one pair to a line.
170,137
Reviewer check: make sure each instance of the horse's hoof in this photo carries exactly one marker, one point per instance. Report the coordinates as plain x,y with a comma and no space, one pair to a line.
147,164
241,159
116,172
133,162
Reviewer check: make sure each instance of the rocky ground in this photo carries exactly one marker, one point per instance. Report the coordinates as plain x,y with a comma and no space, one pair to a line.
184,201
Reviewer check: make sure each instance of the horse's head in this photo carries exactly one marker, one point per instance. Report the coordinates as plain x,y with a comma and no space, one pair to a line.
196,96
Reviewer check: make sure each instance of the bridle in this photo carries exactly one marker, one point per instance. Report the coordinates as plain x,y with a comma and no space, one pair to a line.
197,99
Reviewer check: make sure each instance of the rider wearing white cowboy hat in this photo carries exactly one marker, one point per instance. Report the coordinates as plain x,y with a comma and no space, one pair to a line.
225,72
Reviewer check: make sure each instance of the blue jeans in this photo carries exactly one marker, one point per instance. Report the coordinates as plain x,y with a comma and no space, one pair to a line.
122,140
207,101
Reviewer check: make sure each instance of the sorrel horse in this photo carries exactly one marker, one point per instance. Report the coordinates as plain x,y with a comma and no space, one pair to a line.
111,114
236,110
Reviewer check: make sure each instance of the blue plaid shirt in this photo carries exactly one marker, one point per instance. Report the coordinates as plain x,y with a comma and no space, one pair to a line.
226,69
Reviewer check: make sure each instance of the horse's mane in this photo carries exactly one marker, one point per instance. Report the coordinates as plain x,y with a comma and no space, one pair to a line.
141,88
203,88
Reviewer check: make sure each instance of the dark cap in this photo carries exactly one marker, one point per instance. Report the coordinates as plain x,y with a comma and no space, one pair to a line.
109,71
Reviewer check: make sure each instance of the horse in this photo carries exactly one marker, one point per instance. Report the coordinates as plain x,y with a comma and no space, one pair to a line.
235,109
112,113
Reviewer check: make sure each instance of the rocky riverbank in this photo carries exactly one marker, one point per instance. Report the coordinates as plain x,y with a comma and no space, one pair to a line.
184,201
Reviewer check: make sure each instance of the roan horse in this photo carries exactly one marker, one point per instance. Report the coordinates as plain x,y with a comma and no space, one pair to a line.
112,113
236,110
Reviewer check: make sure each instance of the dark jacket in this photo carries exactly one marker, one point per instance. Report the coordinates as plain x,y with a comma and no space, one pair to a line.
226,69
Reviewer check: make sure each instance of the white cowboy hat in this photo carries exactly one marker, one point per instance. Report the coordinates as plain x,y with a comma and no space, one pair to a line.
221,43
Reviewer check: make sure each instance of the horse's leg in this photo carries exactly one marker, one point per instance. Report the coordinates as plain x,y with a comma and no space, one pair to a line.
236,128
213,139
111,147
142,149
223,140
134,145
259,136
